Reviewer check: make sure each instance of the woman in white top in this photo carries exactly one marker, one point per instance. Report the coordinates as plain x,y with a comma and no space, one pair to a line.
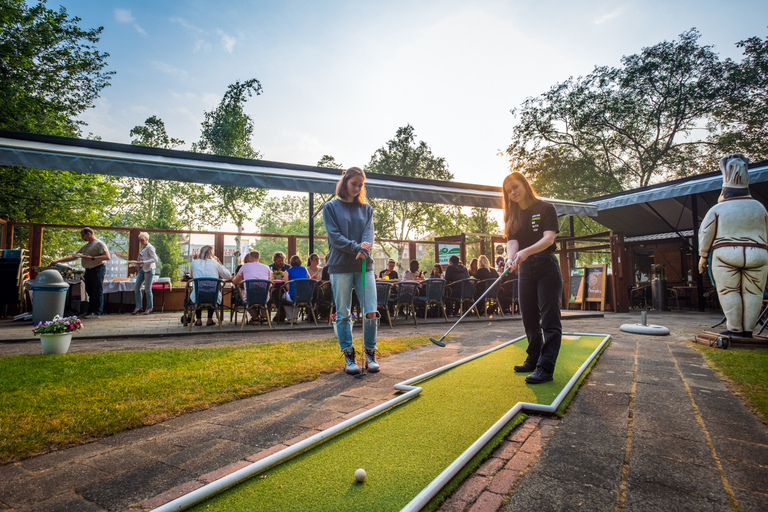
206,265
314,268
146,272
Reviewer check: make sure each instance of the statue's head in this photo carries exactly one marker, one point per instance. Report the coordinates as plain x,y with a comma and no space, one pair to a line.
735,176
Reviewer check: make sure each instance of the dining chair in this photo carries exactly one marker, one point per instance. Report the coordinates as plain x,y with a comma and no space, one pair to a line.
207,295
508,293
383,290
257,296
433,295
406,292
324,299
303,297
461,292
492,297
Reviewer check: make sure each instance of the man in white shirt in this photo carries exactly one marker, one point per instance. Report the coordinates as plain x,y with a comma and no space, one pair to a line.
254,269
94,255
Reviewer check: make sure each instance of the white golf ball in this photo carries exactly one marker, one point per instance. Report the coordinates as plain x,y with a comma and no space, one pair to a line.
360,475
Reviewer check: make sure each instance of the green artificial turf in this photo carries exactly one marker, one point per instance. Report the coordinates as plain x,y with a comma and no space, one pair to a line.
405,448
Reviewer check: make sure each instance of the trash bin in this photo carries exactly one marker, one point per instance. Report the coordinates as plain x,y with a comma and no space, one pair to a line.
659,287
49,295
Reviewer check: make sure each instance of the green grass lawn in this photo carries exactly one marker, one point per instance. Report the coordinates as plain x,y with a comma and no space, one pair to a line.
747,371
405,448
50,402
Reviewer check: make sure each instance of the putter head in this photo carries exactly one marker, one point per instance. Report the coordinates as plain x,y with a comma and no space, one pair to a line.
439,342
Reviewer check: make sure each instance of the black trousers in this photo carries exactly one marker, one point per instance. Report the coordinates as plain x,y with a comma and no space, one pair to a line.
93,278
541,288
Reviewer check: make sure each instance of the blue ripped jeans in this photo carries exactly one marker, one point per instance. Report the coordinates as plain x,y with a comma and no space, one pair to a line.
342,285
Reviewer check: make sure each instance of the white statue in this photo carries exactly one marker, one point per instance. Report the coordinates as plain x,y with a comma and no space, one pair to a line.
735,231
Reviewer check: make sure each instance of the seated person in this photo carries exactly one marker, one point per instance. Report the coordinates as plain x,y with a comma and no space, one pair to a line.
473,266
295,271
326,276
207,265
278,262
437,272
314,268
253,268
484,271
245,260
455,272
413,273
389,271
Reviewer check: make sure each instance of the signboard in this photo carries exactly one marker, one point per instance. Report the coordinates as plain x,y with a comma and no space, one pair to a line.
576,286
445,251
595,279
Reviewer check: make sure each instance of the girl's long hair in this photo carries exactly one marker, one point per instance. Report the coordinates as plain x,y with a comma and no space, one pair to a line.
512,220
206,252
341,186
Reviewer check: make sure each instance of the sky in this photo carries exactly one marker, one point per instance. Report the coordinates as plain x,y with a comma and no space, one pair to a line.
340,77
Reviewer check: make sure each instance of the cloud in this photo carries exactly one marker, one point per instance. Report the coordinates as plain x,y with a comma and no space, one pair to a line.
125,16
184,23
227,41
200,42
608,17
170,69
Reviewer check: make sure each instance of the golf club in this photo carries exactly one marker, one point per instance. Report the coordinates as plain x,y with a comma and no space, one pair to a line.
362,313
440,342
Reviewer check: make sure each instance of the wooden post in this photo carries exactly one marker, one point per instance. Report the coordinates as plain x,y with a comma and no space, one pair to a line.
412,250
218,246
620,301
291,247
35,245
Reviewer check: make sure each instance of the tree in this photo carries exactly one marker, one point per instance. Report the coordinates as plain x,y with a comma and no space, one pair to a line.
403,156
156,204
227,131
50,71
623,127
287,215
743,117
49,74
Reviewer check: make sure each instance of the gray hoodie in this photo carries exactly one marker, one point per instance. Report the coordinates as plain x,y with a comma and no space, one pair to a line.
348,225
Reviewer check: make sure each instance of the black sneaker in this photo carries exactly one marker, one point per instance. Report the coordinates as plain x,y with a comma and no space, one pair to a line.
525,367
539,376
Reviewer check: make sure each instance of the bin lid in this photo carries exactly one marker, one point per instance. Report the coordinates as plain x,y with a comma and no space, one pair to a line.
48,279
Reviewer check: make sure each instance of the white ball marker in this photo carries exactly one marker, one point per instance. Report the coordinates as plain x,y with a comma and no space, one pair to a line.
360,475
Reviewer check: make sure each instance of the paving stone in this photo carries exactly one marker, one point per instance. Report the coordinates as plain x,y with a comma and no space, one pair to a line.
265,435
746,475
491,467
741,451
532,445
520,435
487,502
520,461
171,494
453,504
208,456
574,466
503,481
11,472
64,456
222,472
668,447
120,460
602,396
46,484
751,501
507,450
67,502
471,489
264,411
752,431
136,435
645,496
544,494
679,476
135,486
600,444
266,453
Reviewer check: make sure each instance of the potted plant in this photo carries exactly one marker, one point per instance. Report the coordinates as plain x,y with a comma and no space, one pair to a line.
56,334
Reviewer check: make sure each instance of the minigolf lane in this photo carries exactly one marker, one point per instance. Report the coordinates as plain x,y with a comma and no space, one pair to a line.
405,448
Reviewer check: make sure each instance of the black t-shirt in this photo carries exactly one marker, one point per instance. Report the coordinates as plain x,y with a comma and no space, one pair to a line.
486,273
537,219
392,275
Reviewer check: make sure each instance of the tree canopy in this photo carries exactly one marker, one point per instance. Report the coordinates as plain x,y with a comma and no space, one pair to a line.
624,127
50,71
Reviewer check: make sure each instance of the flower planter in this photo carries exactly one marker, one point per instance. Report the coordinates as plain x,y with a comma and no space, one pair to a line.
55,343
